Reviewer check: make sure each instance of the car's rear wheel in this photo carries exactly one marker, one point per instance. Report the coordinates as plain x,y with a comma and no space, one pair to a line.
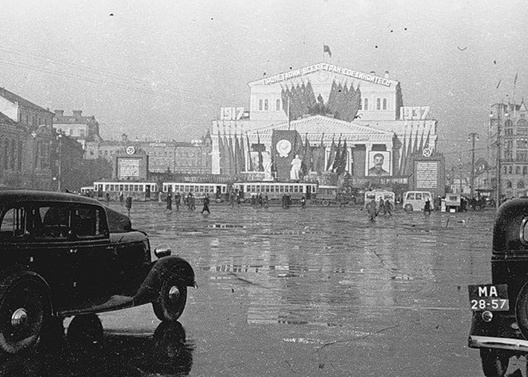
23,308
408,208
85,329
172,299
494,362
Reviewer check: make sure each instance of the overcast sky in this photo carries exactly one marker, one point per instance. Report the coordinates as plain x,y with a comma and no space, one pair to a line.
162,69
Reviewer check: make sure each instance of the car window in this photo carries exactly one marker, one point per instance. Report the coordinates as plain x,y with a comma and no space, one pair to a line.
410,196
56,221
418,196
13,223
87,221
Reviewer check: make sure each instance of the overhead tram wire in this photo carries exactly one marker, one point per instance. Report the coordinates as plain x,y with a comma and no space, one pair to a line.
191,96
98,72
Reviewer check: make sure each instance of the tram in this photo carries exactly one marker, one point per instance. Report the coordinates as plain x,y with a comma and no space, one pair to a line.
112,190
218,191
276,190
332,195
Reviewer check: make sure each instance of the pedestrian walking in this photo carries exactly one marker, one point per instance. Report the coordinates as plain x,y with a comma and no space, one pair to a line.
303,202
388,207
265,201
206,205
107,195
128,204
427,207
169,201
190,198
371,208
177,200
121,197
381,207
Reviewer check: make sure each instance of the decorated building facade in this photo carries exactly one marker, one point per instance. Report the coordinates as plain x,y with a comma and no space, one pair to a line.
335,120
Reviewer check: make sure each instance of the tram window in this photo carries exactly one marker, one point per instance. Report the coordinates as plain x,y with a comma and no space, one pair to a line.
301,188
258,188
267,188
120,188
281,187
126,187
295,188
136,188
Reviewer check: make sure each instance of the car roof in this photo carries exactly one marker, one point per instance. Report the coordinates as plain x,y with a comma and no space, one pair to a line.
9,197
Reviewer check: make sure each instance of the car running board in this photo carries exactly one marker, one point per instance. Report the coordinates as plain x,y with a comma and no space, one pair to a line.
113,303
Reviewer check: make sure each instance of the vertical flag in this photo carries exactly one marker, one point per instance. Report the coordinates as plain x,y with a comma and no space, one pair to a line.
326,49
250,161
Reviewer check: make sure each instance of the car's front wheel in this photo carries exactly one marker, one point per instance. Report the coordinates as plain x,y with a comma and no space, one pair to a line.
171,302
23,308
494,363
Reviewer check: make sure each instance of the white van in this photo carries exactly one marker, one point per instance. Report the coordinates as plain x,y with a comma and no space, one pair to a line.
377,195
415,200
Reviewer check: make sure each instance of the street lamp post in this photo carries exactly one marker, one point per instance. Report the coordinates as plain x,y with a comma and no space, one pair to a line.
59,178
498,163
472,136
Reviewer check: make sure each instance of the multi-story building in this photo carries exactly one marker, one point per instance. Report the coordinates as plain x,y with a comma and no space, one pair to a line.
186,158
77,126
508,146
32,154
336,120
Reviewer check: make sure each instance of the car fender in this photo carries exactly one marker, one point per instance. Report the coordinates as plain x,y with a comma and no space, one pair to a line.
161,269
10,274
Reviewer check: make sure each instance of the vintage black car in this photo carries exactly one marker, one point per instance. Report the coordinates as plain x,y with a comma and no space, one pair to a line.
65,255
499,325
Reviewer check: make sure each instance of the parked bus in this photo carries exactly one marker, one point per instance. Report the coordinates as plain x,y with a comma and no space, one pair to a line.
218,191
415,200
331,195
87,191
377,195
112,190
276,190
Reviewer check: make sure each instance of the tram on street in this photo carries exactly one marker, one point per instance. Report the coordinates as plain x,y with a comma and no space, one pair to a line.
113,190
276,190
218,191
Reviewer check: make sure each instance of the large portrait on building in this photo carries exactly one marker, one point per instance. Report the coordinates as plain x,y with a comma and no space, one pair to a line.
378,164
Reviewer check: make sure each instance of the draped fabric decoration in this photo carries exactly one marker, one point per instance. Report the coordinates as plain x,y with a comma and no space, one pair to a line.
221,152
299,99
342,163
250,161
331,155
337,156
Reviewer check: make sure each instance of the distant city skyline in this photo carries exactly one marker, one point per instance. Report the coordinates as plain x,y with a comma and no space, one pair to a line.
163,70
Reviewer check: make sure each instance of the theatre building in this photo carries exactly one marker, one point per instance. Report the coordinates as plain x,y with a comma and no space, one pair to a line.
338,121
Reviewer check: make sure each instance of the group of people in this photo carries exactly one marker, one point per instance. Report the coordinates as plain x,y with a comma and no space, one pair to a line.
189,201
378,208
259,201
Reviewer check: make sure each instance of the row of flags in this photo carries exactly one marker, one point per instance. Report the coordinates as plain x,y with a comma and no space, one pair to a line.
314,157
343,101
235,150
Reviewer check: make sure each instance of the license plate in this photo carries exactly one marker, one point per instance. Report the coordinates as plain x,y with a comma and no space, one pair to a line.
489,297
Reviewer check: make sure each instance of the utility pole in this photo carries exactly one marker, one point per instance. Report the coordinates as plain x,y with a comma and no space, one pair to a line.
472,136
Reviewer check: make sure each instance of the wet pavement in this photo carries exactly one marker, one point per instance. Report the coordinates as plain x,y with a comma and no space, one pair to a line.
316,292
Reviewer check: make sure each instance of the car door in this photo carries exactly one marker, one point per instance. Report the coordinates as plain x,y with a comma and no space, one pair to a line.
72,238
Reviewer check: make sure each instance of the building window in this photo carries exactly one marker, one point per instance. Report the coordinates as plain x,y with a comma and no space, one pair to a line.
505,170
260,104
360,104
266,104
510,169
378,103
365,103
520,184
277,104
508,184
525,170
517,170
384,103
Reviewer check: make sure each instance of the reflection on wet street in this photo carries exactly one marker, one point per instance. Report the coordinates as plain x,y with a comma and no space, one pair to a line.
315,292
